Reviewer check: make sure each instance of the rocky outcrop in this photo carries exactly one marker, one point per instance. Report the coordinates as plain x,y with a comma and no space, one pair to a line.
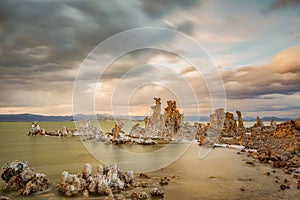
35,129
19,177
106,181
288,129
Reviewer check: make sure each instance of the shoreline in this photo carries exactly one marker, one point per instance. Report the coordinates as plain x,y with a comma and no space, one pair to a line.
223,174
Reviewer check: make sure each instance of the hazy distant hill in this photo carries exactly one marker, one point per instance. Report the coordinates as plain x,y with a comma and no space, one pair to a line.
31,117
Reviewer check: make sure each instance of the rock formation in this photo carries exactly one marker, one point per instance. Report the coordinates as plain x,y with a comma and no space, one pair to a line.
223,123
230,126
259,122
155,123
217,119
34,129
163,125
173,118
106,181
19,177
287,129
240,120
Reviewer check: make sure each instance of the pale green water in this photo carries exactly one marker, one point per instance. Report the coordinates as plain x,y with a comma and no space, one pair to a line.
50,155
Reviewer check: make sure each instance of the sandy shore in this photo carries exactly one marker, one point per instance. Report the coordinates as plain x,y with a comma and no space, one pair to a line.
224,174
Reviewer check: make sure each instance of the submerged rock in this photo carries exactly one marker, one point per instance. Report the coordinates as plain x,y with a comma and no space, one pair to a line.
19,177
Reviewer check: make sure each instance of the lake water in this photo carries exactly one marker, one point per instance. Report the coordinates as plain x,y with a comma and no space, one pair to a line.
221,175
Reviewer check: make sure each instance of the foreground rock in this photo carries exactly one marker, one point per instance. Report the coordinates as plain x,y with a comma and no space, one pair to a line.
106,181
19,177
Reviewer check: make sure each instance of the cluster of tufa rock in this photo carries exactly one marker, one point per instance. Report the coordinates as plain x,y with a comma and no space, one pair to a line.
106,181
19,177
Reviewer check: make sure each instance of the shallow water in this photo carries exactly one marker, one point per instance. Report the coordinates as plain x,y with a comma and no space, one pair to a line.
221,175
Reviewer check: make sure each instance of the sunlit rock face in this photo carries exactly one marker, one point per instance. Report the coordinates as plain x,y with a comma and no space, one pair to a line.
288,129
173,118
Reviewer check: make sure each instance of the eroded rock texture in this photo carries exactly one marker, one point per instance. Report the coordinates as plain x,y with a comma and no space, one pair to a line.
106,181
19,177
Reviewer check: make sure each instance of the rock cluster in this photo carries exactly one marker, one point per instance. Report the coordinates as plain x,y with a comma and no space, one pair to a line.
106,181
19,177
35,130
277,144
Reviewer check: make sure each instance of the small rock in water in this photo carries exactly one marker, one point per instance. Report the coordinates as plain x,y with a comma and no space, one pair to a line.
155,192
164,181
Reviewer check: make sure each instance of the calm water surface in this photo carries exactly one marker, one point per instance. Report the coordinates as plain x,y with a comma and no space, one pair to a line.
221,175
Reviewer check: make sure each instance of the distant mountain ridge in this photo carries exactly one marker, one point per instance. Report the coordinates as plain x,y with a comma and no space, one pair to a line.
33,117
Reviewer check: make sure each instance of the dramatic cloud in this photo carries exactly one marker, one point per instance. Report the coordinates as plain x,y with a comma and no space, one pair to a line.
280,76
43,44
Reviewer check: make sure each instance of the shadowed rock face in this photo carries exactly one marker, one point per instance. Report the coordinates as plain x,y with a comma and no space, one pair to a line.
230,126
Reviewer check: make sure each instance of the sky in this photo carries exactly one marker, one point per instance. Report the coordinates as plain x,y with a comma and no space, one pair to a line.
249,58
